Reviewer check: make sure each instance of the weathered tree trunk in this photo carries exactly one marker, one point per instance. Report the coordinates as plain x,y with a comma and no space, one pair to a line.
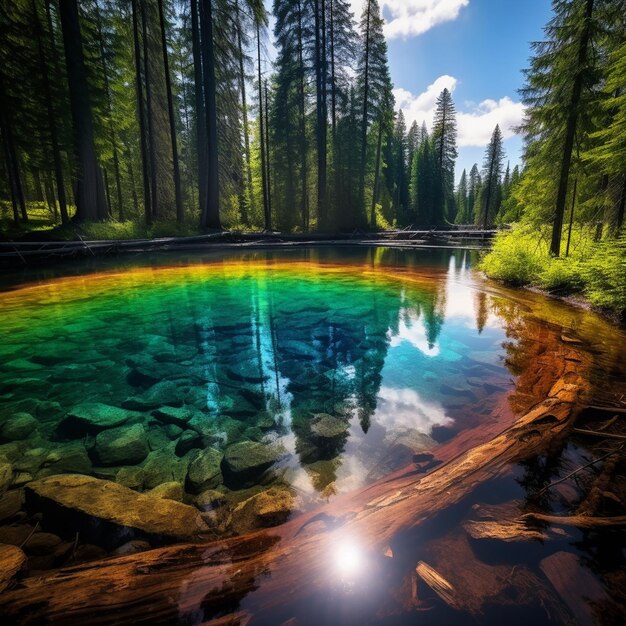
89,193
211,217
321,124
52,126
264,180
197,582
151,136
198,79
379,146
112,136
268,222
178,198
570,133
143,140
244,113
364,120
303,142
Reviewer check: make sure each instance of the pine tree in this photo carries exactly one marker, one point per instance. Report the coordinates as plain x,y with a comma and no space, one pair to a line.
473,192
492,174
374,86
444,140
462,203
559,95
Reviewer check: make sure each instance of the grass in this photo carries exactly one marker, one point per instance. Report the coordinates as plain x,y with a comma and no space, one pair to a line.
521,257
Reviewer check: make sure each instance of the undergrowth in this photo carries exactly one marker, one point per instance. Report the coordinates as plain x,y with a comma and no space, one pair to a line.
521,257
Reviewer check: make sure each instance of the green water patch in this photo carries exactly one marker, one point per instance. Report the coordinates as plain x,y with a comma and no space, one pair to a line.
212,383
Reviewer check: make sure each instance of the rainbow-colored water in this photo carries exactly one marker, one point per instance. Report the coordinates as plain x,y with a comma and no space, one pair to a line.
346,366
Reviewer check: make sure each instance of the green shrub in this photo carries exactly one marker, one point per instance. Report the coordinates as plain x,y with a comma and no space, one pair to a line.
561,276
512,259
604,273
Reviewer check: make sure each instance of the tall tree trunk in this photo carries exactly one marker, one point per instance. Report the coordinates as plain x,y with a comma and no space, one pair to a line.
268,223
211,217
180,214
145,168
264,180
202,148
52,126
131,174
363,163
570,133
244,113
112,137
376,175
191,192
303,143
90,201
107,191
571,217
321,130
619,221
9,149
333,83
151,138
488,196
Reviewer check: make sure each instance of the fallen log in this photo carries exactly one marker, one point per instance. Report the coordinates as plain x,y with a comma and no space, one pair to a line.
308,562
578,521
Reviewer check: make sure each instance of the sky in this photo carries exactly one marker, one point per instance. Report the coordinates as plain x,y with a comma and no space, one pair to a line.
475,48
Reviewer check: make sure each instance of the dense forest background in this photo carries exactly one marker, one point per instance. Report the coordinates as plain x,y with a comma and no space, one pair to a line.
169,112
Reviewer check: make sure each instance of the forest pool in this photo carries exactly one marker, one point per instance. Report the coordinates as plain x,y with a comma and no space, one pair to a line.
146,403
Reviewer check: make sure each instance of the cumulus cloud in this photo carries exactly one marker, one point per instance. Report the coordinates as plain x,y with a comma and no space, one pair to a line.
475,124
409,18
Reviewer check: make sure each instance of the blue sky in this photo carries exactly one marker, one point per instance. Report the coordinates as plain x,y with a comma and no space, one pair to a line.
475,48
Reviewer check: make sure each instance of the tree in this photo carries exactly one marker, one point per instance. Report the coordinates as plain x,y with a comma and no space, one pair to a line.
492,174
473,192
374,85
444,141
89,193
462,216
558,93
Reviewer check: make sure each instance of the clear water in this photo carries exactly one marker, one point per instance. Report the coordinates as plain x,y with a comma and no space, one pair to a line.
337,368
386,363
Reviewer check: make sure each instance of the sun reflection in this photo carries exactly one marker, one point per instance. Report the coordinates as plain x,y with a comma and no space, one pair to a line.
350,562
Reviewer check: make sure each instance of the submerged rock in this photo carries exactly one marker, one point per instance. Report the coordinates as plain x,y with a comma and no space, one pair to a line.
160,394
189,440
12,561
170,491
205,471
163,466
20,426
263,510
6,475
178,416
127,445
10,503
246,461
92,418
110,502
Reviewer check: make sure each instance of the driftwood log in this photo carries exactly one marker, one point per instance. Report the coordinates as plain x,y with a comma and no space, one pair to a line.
348,551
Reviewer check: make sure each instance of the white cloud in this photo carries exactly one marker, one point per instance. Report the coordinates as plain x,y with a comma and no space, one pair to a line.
409,18
475,124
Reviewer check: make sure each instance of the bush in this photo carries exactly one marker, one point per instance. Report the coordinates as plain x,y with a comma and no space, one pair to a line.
511,259
561,276
604,273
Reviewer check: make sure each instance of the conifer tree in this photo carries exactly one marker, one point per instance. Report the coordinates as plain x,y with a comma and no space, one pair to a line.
444,143
492,174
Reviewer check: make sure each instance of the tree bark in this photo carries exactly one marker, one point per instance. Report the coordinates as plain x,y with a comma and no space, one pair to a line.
211,216
364,122
178,199
145,167
107,90
321,125
244,114
89,187
379,145
151,138
56,152
198,78
268,222
303,142
570,133
264,180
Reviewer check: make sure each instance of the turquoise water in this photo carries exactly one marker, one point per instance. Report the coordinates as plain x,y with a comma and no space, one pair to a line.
334,370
